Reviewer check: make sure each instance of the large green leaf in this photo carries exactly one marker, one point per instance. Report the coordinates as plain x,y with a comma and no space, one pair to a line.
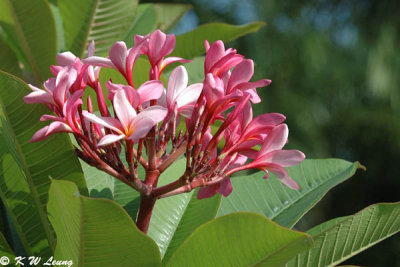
168,15
191,44
30,28
25,167
8,60
175,218
342,238
280,203
240,239
104,21
96,232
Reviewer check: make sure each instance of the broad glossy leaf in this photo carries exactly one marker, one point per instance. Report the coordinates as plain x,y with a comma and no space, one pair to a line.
25,167
191,44
342,238
240,239
168,15
174,218
8,60
104,21
30,27
96,232
280,203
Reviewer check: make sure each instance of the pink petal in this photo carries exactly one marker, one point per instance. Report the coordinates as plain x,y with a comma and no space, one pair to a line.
254,97
99,61
214,53
58,127
40,135
262,123
107,122
283,176
141,127
39,96
208,191
177,82
225,187
109,139
156,113
169,45
170,60
150,90
156,44
241,73
189,95
65,59
286,158
123,109
252,85
65,78
118,53
275,140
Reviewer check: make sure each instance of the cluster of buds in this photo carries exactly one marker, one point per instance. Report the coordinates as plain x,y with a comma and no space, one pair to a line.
142,121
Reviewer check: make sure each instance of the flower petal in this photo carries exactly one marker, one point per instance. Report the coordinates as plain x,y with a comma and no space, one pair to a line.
156,45
275,140
241,73
225,187
214,53
177,82
208,191
109,139
123,109
286,158
99,61
118,53
65,59
283,176
107,122
189,95
150,90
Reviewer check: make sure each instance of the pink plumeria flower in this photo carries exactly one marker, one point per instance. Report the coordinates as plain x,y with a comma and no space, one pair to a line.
272,158
158,46
56,90
120,58
180,98
240,77
150,90
67,122
219,61
129,125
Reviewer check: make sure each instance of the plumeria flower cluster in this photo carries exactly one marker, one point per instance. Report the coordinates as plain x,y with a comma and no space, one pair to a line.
154,126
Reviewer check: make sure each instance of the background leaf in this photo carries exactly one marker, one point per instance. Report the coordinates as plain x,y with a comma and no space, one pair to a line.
240,239
280,203
5,250
35,38
175,218
96,232
191,44
342,238
168,15
25,167
8,60
104,21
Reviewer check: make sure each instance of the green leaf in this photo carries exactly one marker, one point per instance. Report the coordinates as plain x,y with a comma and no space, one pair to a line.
168,15
5,250
174,218
240,239
144,23
25,167
96,232
8,60
342,238
191,44
104,21
30,27
280,203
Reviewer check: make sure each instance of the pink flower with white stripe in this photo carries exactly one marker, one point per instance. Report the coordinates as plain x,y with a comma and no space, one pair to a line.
129,125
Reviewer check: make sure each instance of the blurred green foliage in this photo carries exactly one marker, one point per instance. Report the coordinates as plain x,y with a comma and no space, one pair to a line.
334,67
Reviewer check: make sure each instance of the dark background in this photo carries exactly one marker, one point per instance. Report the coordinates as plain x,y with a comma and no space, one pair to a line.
335,71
